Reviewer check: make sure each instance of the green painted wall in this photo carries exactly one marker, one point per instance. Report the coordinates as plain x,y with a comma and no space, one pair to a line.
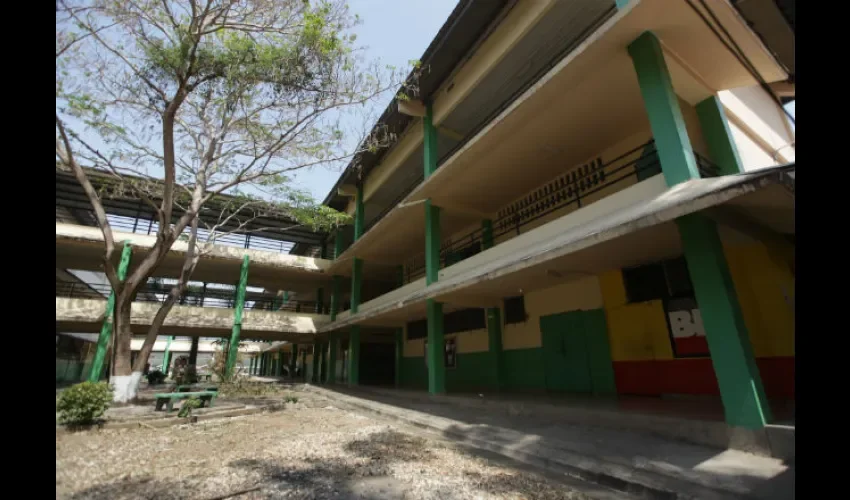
523,369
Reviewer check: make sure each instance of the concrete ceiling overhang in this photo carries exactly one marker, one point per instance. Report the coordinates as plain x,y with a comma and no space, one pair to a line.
81,247
588,101
647,229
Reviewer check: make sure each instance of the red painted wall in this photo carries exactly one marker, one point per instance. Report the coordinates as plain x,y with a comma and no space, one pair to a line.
696,376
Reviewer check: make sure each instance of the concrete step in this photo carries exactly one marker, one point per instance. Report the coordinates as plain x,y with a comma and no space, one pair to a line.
627,461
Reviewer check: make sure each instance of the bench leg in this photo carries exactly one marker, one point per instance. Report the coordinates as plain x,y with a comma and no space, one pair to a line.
159,403
170,405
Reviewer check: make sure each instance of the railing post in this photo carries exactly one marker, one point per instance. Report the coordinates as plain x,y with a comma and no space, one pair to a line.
106,329
237,316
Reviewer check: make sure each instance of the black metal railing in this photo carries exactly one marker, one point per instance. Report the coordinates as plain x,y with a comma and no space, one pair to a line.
572,188
252,241
706,167
208,297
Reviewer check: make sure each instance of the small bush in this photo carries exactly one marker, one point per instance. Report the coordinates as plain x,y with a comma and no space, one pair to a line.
83,403
156,377
187,407
290,399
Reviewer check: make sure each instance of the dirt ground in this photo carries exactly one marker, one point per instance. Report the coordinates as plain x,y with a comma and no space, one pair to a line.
301,452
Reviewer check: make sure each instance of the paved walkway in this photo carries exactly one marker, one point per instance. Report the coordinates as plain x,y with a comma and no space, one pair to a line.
635,460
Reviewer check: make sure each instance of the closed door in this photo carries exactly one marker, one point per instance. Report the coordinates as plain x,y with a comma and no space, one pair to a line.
576,352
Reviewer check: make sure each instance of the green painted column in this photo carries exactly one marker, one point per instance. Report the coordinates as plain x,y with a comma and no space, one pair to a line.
662,106
320,300
166,356
237,316
316,350
293,361
251,366
399,356
304,363
262,369
494,316
429,139
279,364
336,295
356,284
354,355
106,329
333,345
436,348
621,4
432,242
359,213
718,137
738,377
323,362
436,338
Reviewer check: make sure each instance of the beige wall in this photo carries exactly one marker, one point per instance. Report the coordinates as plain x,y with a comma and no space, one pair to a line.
763,128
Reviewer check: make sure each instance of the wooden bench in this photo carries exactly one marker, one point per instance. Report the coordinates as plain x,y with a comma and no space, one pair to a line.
168,398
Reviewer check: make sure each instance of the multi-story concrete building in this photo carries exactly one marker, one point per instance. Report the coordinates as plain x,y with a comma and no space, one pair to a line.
585,196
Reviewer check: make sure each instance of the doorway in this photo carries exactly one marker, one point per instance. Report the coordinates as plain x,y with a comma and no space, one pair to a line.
576,352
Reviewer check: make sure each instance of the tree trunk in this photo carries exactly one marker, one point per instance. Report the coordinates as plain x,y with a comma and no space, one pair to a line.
125,381
153,333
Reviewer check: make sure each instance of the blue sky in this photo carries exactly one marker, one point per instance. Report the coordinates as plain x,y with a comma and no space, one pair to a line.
394,31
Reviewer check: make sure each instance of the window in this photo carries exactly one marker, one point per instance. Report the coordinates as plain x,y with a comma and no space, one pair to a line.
417,329
515,309
464,320
645,283
657,281
449,353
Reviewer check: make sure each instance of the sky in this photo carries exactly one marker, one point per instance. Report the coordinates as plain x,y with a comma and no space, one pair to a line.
394,31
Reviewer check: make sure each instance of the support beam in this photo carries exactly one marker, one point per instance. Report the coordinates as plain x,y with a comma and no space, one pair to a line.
494,317
251,365
333,345
738,377
715,130
293,361
106,330
237,316
436,348
432,242
336,295
279,364
354,355
675,153
304,363
356,283
429,142
399,356
317,348
323,362
359,213
166,356
320,300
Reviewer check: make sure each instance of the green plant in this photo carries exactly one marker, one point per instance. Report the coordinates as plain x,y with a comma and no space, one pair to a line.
83,403
187,407
156,377
290,399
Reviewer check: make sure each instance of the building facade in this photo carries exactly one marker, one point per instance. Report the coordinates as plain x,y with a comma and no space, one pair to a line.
584,197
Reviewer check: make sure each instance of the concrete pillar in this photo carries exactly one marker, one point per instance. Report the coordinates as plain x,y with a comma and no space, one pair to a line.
494,318
166,356
279,364
316,350
323,360
744,401
304,363
436,348
333,344
336,290
399,356
233,352
106,329
293,361
662,106
193,351
737,375
251,366
718,137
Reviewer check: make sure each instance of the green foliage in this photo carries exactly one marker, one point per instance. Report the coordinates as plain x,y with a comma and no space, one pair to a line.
156,377
290,399
83,403
187,407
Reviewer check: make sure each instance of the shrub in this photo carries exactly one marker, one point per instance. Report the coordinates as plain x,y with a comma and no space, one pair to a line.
187,407
83,403
156,377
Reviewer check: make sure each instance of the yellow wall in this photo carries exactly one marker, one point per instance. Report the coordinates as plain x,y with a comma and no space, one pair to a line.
580,294
467,342
765,289
635,331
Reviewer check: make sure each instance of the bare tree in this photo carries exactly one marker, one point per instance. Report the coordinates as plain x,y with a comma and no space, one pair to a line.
184,101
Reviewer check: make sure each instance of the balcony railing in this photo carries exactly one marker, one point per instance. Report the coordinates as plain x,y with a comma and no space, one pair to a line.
572,188
209,297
